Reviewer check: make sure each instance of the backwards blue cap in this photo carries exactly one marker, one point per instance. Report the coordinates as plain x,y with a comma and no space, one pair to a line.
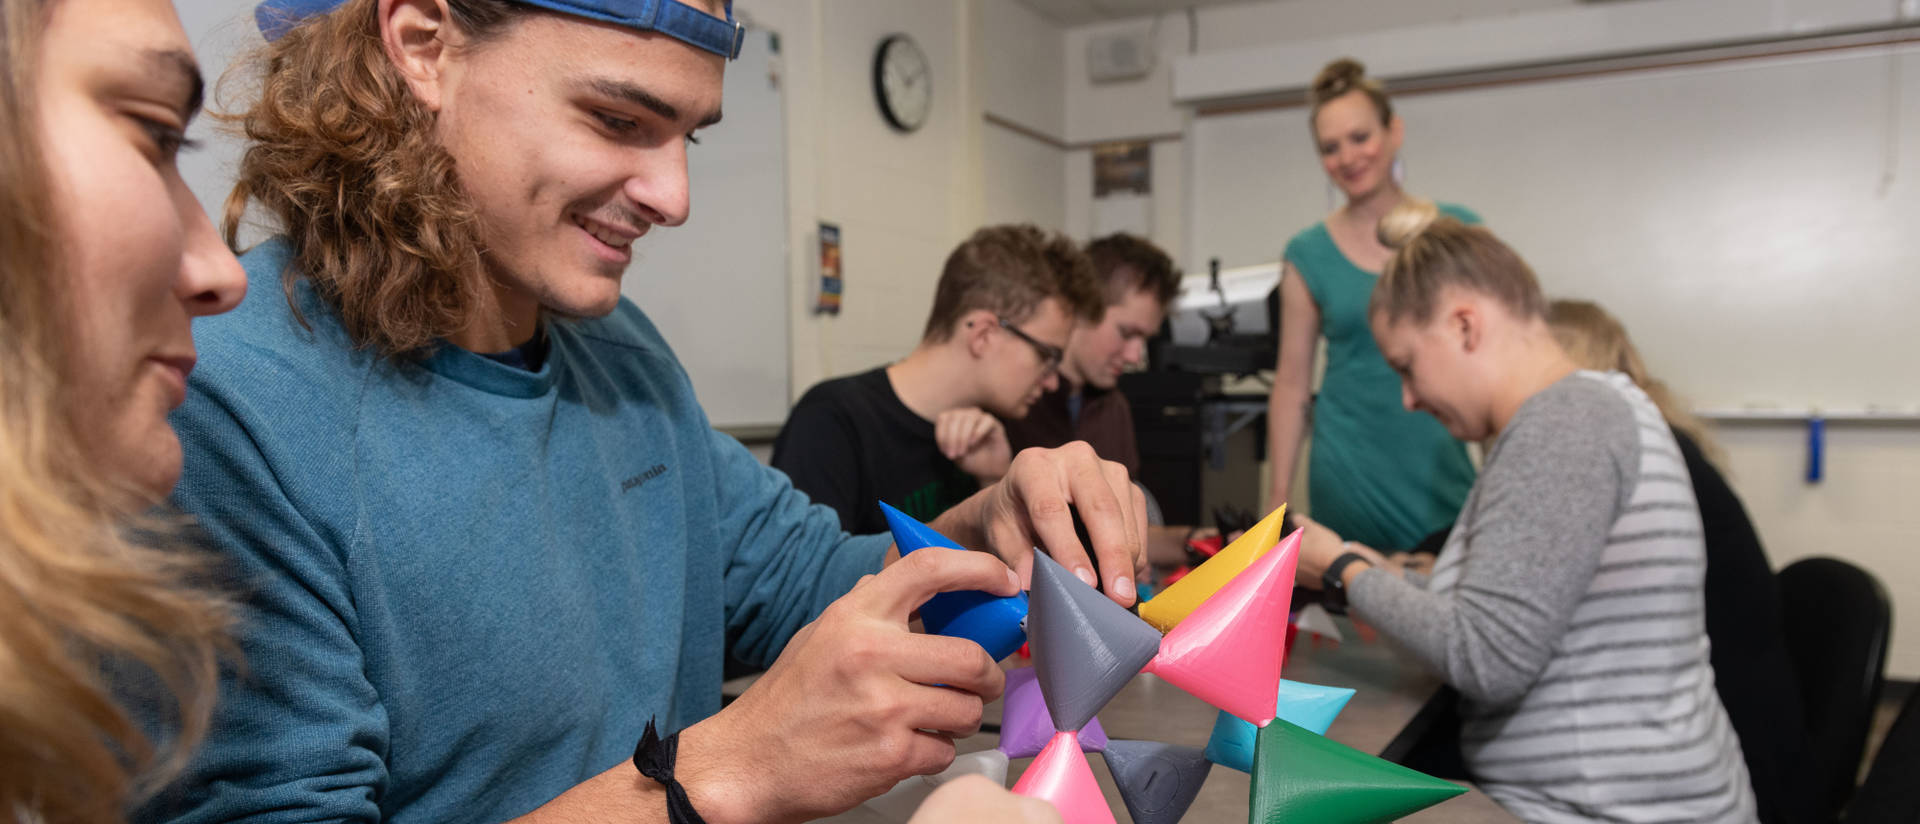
673,19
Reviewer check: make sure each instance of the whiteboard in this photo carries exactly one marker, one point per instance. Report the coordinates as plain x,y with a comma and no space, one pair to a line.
1737,217
716,286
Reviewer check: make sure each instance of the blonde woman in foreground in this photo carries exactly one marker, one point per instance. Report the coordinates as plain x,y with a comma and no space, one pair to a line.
105,259
1566,606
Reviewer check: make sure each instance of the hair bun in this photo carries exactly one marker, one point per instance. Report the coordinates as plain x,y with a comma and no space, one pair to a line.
1337,78
1405,223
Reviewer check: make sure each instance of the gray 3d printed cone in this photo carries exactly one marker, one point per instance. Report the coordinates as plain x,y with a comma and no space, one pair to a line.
1157,781
1085,646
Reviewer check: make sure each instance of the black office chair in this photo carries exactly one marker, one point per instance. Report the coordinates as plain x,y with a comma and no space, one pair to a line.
1890,795
1838,618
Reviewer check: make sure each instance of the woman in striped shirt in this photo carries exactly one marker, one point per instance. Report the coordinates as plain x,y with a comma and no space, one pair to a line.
1567,605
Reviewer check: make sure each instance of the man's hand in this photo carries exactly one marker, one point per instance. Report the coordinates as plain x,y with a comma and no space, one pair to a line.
850,707
973,798
1033,506
975,441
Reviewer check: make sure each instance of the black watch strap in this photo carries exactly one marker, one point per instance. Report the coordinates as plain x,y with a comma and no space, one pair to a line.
1334,585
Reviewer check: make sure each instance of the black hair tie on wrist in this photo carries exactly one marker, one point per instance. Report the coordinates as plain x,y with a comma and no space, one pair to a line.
654,757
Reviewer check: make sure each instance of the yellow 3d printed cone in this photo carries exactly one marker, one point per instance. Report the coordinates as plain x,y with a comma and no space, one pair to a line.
1173,605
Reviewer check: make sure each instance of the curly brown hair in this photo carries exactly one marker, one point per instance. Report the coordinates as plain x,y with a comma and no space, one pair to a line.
1009,270
346,159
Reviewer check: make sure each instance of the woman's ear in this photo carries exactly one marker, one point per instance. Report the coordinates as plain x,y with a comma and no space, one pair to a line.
415,35
1469,325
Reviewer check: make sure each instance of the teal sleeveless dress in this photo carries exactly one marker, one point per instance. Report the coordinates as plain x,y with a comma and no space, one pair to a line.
1377,473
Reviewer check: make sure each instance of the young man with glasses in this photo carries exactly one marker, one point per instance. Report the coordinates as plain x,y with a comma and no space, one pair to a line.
921,433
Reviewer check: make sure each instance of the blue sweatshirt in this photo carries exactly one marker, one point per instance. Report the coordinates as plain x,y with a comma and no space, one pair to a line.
471,585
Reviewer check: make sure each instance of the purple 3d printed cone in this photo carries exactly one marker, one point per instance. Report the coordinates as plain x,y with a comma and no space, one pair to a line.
1025,725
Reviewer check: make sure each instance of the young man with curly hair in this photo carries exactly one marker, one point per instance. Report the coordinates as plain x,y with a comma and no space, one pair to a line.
920,433
487,535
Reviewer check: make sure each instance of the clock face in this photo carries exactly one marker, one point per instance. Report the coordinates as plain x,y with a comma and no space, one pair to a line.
903,83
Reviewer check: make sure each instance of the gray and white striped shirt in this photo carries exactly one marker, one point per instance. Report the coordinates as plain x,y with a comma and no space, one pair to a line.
1567,609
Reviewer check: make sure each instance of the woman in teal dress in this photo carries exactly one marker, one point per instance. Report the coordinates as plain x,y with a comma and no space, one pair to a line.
1378,473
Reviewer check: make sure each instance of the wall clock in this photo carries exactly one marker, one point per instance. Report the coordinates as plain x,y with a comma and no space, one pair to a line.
902,82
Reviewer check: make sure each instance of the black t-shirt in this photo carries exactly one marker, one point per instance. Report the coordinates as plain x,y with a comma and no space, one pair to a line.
850,443
1104,420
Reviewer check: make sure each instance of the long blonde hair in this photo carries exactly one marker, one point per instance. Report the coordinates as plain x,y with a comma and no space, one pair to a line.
1597,340
80,596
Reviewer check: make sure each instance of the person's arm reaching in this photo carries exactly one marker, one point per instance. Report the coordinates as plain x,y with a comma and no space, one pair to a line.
849,709
975,441
1292,383
1538,528
1033,507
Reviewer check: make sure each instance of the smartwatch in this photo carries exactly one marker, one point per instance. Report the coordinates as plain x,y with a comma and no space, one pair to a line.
1334,585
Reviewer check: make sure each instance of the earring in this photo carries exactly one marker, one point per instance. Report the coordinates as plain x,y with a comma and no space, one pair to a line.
1399,170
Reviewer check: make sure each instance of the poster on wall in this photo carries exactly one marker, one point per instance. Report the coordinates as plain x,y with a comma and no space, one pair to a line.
1123,168
829,302
1123,188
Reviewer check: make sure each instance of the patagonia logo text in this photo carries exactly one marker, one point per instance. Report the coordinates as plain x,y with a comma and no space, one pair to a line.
641,479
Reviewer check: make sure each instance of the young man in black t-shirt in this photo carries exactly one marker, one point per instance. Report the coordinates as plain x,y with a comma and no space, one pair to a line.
920,433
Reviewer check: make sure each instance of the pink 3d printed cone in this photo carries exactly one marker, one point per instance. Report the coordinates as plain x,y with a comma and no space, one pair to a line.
1228,651
1025,724
1061,776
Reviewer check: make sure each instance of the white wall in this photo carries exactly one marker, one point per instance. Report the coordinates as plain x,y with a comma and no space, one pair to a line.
900,200
221,31
903,201
1144,107
1021,80
1862,510
1167,209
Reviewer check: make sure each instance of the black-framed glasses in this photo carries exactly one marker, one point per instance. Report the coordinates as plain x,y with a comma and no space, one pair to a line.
1050,355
